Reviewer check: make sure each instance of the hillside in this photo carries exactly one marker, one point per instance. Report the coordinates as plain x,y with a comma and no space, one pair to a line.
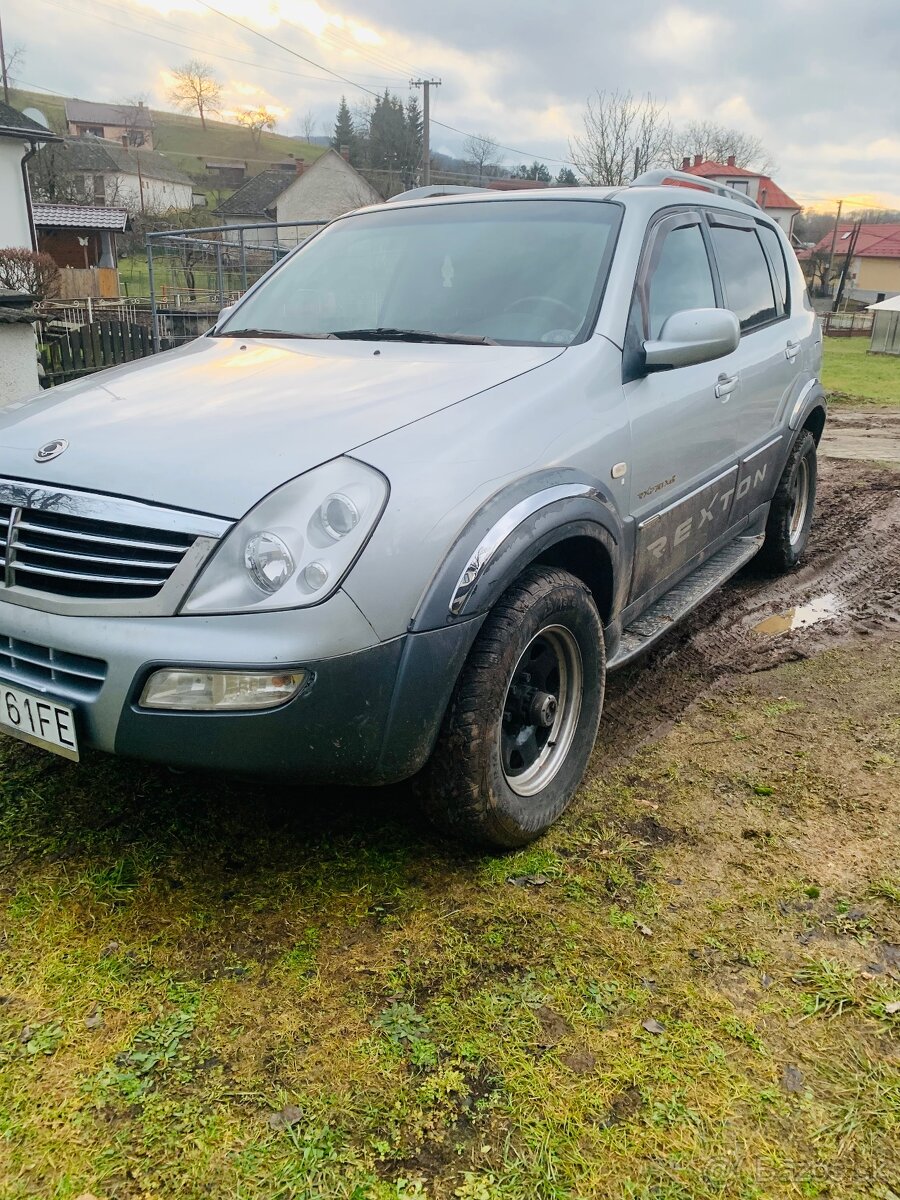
182,138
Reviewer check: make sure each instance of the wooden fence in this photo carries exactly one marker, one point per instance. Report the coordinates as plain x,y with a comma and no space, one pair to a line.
71,353
76,283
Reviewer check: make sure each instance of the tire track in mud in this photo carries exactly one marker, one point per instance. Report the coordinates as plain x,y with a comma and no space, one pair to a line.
854,555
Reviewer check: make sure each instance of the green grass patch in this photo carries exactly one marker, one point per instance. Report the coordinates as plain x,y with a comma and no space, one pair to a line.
850,374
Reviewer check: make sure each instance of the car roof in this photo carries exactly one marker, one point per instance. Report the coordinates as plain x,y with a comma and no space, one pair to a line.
646,198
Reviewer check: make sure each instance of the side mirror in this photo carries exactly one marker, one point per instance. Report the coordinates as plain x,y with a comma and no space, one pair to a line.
696,335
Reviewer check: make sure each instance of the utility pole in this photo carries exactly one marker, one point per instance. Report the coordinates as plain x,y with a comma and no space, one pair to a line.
851,250
837,221
426,85
3,68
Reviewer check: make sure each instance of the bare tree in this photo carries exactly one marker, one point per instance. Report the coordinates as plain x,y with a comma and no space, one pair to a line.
257,120
15,61
133,109
717,143
308,125
482,152
622,136
196,87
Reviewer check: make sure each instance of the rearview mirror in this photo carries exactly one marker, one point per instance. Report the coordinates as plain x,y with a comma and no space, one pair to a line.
696,335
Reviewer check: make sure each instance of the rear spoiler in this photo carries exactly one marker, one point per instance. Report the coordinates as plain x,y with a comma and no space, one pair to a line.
662,178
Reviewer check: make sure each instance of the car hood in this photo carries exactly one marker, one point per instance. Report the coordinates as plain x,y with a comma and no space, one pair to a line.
215,425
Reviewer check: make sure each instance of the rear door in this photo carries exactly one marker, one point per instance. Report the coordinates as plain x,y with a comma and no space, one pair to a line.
683,438
753,280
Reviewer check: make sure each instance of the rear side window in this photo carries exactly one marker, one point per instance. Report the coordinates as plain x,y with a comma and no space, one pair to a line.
772,243
680,279
745,275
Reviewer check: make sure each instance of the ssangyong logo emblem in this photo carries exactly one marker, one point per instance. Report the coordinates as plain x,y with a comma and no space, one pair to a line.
51,450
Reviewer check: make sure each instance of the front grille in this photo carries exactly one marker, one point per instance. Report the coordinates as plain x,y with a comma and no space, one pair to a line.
72,675
86,558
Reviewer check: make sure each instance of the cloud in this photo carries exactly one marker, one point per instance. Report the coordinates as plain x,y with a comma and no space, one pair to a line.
815,81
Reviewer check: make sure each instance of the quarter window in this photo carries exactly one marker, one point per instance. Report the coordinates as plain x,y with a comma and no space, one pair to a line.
680,279
772,243
745,275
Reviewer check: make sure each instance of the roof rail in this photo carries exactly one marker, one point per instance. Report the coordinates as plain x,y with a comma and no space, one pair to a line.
437,189
659,178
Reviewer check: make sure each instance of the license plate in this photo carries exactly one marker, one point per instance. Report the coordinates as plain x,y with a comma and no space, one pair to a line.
40,722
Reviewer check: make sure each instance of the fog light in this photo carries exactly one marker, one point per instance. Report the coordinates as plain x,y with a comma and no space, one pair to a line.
212,691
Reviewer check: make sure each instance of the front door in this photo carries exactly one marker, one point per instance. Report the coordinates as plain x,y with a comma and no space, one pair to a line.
684,440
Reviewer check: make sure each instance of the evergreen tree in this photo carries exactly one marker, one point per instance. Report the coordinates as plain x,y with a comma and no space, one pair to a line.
344,129
566,178
537,170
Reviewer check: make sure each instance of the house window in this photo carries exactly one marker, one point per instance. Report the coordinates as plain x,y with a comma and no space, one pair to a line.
99,189
740,185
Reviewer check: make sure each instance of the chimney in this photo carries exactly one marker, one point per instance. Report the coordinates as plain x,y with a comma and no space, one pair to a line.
686,163
730,160
299,166
345,153
698,159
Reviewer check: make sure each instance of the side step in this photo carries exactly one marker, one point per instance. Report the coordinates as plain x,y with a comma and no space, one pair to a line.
679,600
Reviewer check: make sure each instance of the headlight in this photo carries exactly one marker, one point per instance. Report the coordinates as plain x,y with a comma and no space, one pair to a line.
296,545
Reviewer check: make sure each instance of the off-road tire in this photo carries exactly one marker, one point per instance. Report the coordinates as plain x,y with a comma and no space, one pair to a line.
786,539
464,788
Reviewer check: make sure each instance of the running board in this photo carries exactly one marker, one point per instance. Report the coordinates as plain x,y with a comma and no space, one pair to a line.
679,600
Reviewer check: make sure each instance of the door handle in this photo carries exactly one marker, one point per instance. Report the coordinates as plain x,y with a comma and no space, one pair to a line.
726,385
791,350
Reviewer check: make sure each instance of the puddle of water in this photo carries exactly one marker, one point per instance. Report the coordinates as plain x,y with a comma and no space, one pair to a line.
823,608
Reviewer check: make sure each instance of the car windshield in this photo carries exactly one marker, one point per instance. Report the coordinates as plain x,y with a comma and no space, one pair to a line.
511,271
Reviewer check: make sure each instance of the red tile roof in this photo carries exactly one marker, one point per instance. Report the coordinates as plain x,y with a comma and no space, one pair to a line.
874,241
774,196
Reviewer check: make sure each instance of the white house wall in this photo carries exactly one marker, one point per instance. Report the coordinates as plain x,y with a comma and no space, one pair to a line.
159,195
325,190
14,227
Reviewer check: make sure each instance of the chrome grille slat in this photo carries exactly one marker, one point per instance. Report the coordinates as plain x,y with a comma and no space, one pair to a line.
66,554
78,535
97,558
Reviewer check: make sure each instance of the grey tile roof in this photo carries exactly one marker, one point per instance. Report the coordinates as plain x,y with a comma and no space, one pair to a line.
87,112
79,216
255,197
98,156
18,125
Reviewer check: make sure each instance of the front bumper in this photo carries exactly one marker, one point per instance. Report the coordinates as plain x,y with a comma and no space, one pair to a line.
370,714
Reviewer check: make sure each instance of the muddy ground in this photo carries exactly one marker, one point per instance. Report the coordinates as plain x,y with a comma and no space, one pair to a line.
689,990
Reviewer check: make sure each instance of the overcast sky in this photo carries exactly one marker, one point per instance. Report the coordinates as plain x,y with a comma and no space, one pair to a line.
817,80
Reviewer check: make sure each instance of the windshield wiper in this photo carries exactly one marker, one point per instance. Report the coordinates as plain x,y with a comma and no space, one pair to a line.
269,333
387,334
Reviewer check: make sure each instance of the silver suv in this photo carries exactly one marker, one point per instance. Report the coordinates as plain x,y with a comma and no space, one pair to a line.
406,504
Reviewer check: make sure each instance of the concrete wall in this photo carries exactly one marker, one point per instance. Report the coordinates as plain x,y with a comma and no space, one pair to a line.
327,189
18,362
14,227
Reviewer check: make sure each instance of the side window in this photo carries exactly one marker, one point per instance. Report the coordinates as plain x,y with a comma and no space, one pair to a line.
680,277
772,243
745,275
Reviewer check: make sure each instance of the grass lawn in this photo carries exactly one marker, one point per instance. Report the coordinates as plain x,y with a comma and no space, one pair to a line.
850,374
688,990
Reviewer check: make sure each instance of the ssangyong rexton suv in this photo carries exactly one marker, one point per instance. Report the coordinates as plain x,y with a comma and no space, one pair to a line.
403,507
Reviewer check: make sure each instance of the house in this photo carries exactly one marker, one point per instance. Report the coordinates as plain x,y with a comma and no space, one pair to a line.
101,172
227,172
761,188
79,235
873,273
110,121
19,140
297,191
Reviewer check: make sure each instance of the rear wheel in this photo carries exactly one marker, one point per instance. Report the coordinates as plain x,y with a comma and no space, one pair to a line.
522,721
791,513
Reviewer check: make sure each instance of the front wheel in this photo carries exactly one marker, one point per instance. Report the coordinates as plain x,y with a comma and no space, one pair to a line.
791,512
522,721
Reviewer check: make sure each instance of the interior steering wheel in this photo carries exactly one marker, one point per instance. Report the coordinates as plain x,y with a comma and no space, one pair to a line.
537,301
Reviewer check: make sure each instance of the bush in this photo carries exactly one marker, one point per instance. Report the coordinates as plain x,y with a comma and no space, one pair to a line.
29,271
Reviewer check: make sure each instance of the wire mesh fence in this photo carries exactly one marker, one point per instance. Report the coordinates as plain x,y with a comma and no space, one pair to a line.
193,273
